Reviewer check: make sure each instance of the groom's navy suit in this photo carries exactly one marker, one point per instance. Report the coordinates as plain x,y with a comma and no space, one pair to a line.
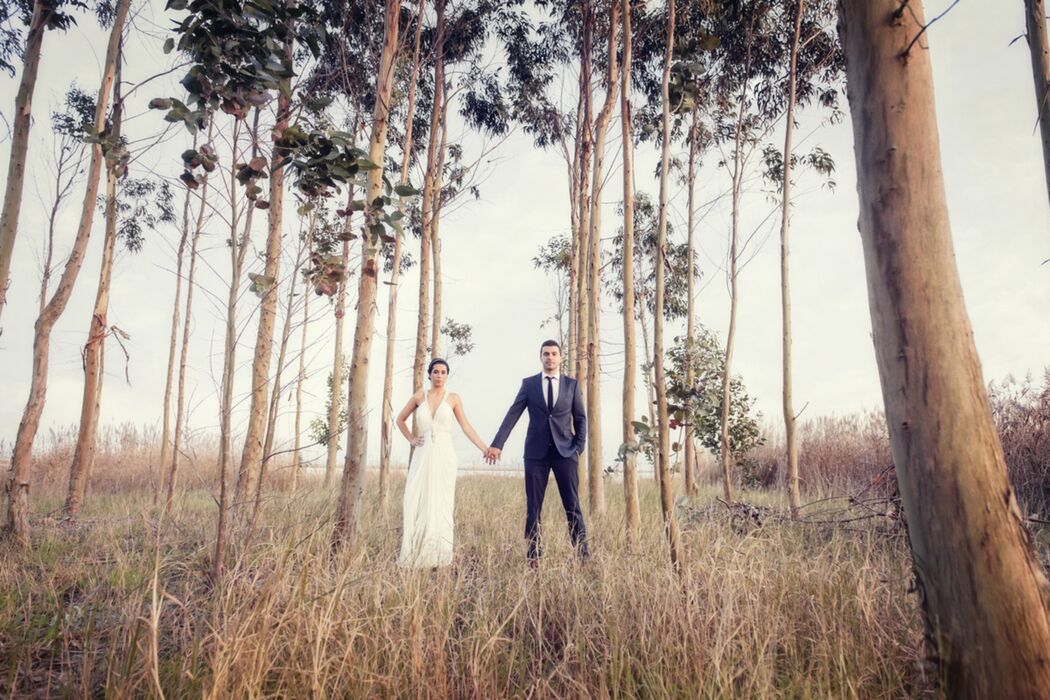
554,441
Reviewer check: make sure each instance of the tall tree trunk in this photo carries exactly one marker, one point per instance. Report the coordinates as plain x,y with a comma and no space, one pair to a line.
187,326
791,439
300,377
16,164
585,145
427,206
98,328
335,397
18,485
278,387
347,517
663,449
736,187
595,466
395,276
982,588
435,234
1035,20
282,357
238,247
690,316
572,352
632,516
173,340
252,455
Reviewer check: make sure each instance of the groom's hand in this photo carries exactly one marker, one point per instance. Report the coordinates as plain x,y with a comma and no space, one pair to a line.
492,455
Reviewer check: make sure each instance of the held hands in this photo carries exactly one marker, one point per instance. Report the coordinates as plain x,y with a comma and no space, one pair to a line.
492,455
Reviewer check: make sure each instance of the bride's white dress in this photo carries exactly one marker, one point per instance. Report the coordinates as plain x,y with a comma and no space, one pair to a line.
430,491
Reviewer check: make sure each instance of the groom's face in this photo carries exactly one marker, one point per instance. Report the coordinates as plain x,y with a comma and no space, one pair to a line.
550,355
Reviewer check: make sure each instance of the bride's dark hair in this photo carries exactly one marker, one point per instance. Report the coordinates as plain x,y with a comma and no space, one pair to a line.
435,362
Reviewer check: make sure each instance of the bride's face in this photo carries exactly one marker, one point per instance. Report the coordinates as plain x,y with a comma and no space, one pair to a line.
438,375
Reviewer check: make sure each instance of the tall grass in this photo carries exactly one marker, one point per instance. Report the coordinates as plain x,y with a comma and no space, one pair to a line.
120,605
119,602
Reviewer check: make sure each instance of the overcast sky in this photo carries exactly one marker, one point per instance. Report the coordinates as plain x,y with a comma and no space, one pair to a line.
997,201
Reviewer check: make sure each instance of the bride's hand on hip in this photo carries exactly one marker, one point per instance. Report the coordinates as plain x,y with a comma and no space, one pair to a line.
416,441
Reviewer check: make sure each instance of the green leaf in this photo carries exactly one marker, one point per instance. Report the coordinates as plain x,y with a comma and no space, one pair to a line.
406,191
366,164
169,44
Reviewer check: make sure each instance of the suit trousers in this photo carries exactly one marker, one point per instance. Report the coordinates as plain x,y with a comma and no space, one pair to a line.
566,475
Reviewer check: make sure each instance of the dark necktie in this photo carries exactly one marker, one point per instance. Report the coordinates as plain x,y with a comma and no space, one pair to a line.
550,394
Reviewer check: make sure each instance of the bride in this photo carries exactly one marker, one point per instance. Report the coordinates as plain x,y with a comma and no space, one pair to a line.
430,489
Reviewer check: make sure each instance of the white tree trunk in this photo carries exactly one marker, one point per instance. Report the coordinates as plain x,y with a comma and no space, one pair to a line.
395,275
252,454
18,485
791,439
663,446
187,327
23,119
347,520
632,516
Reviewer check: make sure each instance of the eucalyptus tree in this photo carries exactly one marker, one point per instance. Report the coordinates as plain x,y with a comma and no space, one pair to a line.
293,297
459,38
691,107
982,589
322,159
663,456
1039,48
132,207
180,396
750,51
300,378
429,185
396,260
581,251
595,481
632,516
38,16
347,511
644,257
808,18
17,526
345,71
186,235
249,476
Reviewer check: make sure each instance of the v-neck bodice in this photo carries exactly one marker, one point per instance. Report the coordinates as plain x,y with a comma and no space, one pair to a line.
440,421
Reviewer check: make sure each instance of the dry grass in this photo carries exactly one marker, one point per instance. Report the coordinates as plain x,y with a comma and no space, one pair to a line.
113,606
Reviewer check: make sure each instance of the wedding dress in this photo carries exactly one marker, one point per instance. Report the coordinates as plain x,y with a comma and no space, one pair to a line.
430,491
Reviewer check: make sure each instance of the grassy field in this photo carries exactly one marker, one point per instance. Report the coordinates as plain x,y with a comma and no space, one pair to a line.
115,605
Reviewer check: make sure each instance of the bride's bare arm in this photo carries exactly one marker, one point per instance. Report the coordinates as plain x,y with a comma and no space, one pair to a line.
402,418
468,429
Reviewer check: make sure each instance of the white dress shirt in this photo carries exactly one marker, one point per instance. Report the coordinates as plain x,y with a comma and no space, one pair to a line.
554,386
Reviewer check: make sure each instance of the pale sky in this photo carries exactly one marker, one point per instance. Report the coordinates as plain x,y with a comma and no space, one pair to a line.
997,202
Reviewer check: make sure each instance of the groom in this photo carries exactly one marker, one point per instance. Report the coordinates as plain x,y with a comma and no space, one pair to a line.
554,441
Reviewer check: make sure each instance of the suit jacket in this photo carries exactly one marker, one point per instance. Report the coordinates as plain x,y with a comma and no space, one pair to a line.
566,424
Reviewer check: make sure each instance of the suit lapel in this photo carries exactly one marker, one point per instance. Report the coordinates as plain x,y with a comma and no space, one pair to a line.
538,390
566,389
